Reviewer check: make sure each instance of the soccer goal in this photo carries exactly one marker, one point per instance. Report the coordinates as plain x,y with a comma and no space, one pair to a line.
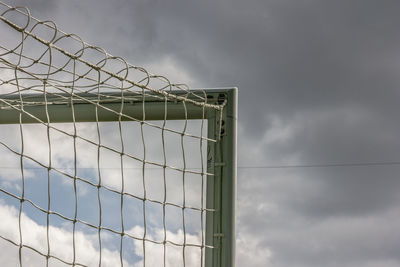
105,164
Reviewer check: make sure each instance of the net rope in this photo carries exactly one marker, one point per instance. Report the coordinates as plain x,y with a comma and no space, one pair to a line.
38,59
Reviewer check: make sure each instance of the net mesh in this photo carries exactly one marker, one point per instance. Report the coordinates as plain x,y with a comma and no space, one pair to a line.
128,192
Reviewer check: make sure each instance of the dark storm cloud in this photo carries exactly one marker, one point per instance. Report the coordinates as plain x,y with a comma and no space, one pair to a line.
286,56
319,83
42,7
330,70
306,221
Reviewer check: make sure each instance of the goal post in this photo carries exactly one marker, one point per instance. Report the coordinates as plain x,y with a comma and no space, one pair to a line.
221,189
221,154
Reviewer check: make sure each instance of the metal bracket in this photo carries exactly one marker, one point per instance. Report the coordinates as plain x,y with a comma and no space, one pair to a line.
219,235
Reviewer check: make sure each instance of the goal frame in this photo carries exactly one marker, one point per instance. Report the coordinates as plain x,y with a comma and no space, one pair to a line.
221,155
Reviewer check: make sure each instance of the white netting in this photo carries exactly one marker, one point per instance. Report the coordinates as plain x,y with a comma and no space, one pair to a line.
124,193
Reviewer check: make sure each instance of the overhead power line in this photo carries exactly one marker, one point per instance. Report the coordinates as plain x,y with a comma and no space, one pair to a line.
326,165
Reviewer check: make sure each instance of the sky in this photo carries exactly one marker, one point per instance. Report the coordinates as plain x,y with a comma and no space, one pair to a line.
318,86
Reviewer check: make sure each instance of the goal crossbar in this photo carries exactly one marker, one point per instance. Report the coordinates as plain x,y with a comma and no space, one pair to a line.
136,106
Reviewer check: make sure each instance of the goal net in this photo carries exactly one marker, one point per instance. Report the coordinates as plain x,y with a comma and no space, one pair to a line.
105,164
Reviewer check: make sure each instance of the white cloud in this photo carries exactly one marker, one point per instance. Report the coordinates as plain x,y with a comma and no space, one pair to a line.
249,251
10,162
60,240
174,254
62,156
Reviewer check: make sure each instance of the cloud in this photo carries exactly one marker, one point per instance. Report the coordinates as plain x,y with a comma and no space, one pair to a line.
250,250
302,218
61,240
11,162
86,244
175,255
318,83
36,145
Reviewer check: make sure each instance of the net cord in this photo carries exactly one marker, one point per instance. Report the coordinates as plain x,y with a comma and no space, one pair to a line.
73,92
